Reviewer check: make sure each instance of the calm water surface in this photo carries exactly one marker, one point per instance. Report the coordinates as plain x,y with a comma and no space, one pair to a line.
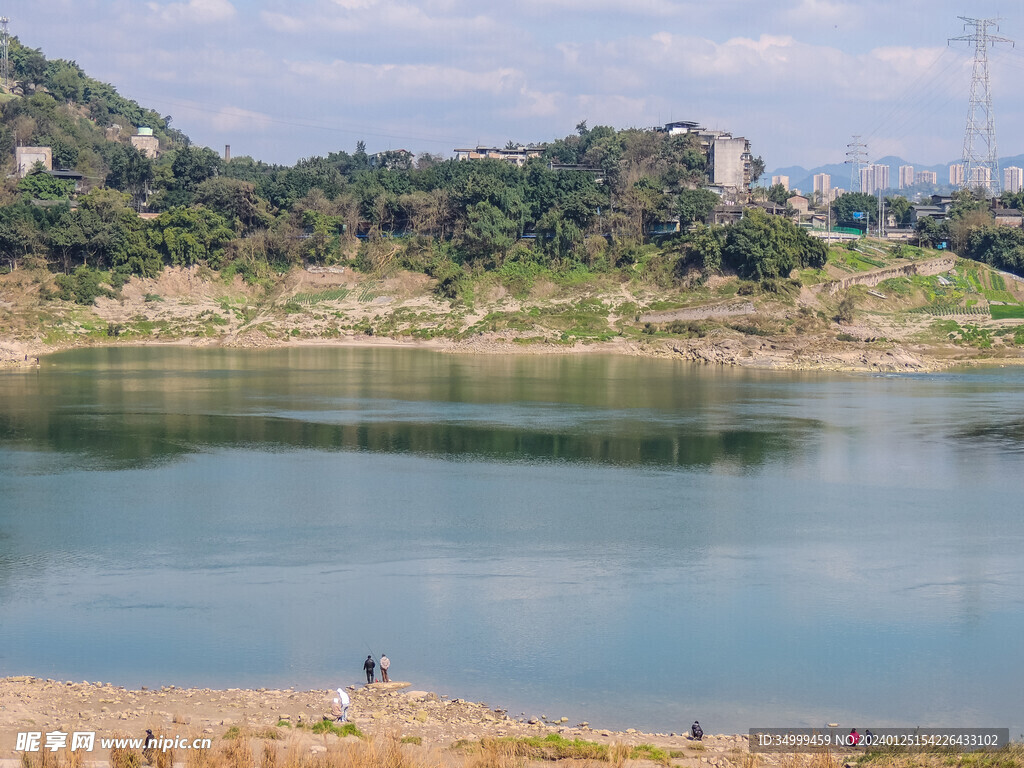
629,542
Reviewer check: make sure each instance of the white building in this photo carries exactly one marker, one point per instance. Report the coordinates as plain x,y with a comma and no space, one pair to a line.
822,187
956,174
1013,179
926,177
783,180
906,176
26,157
874,178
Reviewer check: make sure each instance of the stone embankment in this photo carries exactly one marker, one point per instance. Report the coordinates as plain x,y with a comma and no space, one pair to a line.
875,276
699,313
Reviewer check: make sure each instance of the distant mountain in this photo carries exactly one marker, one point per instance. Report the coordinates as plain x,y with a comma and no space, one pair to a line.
803,179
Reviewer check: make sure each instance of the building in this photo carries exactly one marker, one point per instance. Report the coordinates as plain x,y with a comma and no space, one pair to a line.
392,160
956,174
517,155
1013,179
874,178
783,180
906,176
729,157
146,142
926,177
799,203
730,163
25,159
981,176
822,187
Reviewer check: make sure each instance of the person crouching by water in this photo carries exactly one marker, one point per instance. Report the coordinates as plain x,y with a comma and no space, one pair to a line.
339,707
368,666
696,732
385,664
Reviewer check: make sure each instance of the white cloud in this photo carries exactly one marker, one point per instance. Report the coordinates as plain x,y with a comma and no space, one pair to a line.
384,82
236,118
194,11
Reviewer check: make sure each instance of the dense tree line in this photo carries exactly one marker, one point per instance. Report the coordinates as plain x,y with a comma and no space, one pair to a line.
447,218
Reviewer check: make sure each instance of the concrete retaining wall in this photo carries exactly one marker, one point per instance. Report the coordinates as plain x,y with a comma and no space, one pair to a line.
928,267
699,313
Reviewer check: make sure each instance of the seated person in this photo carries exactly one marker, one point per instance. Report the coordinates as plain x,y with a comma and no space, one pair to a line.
696,731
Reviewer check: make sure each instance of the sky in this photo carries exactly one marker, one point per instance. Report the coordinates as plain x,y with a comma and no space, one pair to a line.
280,80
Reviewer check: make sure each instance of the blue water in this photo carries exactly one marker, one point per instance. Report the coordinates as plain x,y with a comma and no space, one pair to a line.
628,542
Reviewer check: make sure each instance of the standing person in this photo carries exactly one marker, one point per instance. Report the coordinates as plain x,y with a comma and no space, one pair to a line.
368,666
385,664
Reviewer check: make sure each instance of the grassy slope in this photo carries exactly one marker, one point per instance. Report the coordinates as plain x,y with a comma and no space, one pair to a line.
560,309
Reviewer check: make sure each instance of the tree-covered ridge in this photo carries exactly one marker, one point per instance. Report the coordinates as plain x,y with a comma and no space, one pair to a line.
587,203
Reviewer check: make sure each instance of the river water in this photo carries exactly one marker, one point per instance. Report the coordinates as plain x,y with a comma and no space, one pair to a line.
625,541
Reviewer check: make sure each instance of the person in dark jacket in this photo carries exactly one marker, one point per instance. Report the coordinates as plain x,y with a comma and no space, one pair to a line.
696,731
368,666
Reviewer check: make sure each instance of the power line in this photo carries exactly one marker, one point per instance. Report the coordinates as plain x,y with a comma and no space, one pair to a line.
857,155
981,163
353,130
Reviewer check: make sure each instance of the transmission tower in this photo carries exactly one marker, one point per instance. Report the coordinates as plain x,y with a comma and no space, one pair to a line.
857,155
981,162
5,68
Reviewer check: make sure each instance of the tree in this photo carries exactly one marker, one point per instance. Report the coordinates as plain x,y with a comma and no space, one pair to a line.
488,235
188,236
778,194
900,209
845,206
66,239
756,169
83,286
194,165
762,247
130,171
704,248
43,186
929,231
1002,247
695,205
236,201
65,81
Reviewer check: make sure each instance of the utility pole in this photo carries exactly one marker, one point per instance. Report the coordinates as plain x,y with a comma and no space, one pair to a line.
857,155
5,66
980,159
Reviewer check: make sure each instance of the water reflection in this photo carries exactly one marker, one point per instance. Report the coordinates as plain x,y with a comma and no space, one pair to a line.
137,408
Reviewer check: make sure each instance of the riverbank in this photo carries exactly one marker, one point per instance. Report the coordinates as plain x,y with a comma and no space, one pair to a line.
392,726
712,324
378,711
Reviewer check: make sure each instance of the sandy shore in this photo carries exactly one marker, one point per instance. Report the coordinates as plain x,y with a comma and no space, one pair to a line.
380,710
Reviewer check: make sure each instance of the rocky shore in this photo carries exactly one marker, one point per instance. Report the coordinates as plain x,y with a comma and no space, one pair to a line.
381,710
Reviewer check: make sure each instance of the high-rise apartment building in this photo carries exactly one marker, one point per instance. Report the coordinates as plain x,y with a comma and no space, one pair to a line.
956,174
874,178
822,187
926,177
1013,179
783,180
981,176
906,176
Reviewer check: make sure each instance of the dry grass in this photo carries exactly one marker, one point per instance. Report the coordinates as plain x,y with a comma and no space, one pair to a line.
371,753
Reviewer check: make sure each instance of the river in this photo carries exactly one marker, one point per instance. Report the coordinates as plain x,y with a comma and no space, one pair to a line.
631,542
